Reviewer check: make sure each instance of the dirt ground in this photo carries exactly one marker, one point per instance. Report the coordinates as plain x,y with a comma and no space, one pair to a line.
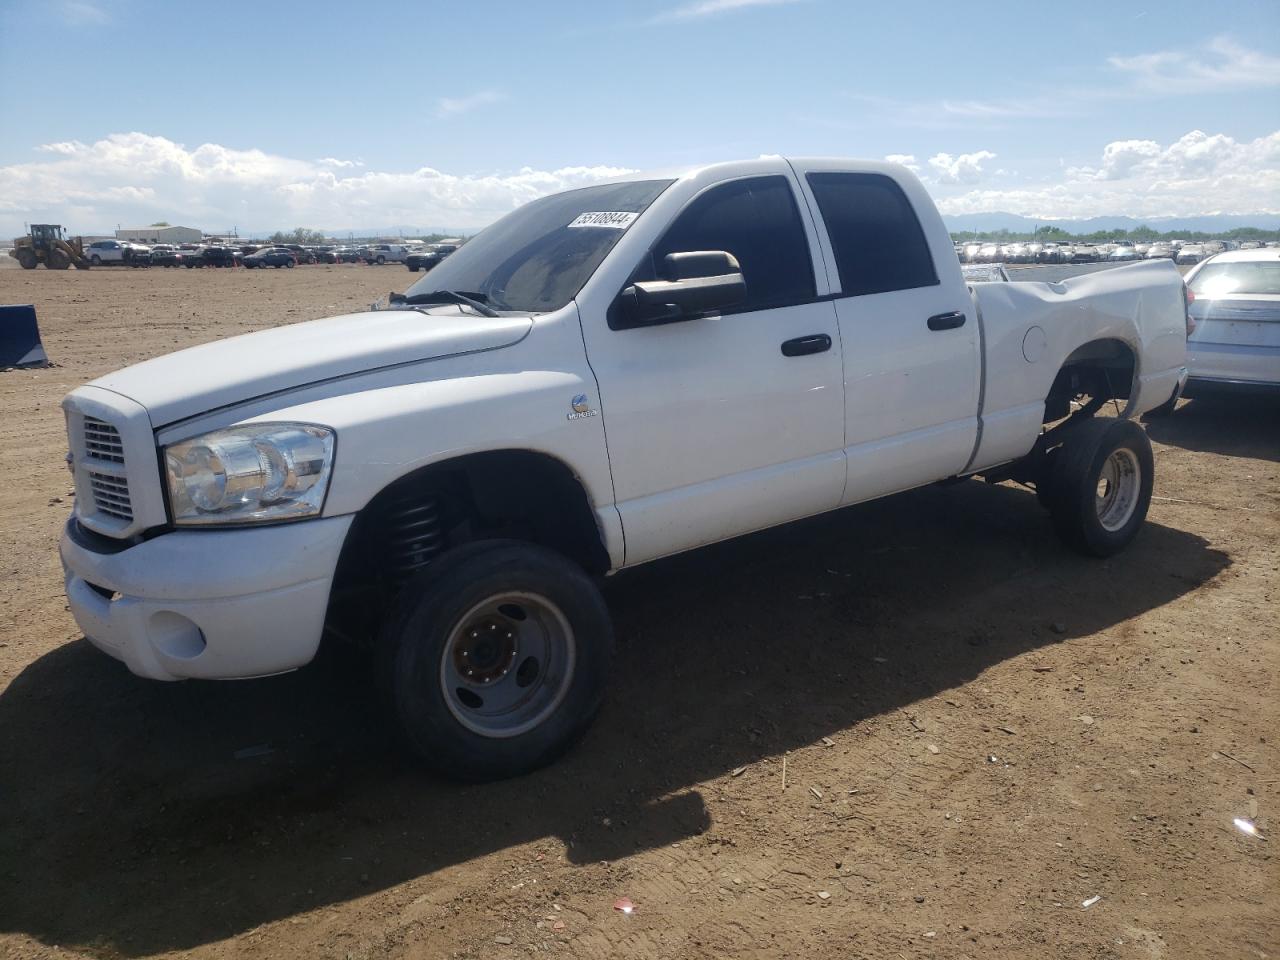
915,728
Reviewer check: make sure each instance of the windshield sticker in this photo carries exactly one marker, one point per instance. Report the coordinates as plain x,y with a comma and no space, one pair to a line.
613,219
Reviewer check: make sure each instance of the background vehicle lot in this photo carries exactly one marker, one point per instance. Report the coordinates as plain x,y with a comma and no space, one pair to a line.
928,619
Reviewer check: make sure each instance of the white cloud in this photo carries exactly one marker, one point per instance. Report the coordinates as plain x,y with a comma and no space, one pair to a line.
905,159
965,168
711,8
81,13
453,106
1198,174
138,178
1222,64
963,114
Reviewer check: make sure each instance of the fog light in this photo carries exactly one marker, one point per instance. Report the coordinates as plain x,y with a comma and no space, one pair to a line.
175,636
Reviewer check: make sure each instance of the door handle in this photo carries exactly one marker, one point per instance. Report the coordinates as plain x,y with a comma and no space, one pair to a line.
946,321
814,343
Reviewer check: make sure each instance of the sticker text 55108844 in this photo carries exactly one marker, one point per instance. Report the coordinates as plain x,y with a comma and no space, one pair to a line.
613,219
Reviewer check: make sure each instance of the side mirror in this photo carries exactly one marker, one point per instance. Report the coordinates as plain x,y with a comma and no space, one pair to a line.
703,281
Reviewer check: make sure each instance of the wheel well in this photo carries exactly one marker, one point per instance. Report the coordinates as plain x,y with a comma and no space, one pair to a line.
503,494
1101,369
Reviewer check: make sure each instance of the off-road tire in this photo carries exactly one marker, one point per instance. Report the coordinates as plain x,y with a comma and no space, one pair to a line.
414,644
1075,485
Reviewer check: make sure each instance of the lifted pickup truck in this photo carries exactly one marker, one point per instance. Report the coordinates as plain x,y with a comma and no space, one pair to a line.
603,377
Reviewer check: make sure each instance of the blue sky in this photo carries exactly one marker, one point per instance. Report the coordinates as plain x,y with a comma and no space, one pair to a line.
272,115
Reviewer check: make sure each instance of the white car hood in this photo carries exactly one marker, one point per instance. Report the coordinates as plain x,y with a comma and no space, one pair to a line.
225,372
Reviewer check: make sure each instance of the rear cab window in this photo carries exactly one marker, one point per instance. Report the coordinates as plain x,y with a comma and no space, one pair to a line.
877,239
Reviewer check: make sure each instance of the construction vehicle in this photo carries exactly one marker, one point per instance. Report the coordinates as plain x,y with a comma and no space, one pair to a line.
46,244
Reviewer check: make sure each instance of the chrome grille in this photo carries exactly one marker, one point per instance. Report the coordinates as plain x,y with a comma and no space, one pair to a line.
102,441
111,495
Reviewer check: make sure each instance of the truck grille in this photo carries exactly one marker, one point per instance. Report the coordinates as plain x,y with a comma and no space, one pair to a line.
110,492
111,495
102,440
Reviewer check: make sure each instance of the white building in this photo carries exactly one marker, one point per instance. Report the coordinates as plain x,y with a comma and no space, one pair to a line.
161,234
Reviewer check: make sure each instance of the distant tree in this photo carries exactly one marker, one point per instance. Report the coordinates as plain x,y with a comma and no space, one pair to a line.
301,235
1143,233
160,223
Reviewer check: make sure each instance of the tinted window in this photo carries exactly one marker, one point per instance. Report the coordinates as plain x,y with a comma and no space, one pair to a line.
538,257
758,222
877,240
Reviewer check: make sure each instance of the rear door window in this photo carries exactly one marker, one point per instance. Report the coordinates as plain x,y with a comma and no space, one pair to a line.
757,220
877,239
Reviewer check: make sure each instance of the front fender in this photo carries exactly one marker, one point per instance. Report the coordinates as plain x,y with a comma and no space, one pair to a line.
383,434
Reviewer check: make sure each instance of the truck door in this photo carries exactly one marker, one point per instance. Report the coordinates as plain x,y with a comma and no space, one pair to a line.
732,422
912,363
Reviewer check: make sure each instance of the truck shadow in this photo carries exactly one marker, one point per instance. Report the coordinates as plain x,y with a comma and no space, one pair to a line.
1246,427
143,817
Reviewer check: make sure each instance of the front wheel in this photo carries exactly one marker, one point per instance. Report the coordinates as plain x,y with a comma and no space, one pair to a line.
1100,486
495,660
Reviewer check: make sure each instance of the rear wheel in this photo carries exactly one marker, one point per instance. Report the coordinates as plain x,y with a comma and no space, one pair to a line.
289,264
27,259
1100,486
96,260
495,660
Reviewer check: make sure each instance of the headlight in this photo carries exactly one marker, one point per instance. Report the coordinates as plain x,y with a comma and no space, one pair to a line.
261,471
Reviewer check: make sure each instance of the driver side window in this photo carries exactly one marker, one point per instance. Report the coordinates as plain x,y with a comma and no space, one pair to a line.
756,220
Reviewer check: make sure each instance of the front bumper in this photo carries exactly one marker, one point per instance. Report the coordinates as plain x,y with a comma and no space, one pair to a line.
214,604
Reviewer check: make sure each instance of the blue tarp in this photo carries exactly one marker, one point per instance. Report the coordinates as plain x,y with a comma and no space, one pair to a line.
20,338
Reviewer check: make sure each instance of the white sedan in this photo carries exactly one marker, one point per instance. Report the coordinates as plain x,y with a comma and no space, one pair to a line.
1235,304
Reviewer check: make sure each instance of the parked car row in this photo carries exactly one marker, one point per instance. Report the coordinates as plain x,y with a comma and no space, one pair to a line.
424,260
228,254
1181,251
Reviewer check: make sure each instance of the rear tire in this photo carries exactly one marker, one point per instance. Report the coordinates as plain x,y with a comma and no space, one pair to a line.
495,659
1100,485
27,259
96,260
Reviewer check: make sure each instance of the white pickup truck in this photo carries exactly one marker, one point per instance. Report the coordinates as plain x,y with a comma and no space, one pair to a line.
603,377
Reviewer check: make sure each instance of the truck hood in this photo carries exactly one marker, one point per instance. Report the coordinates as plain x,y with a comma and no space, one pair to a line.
225,372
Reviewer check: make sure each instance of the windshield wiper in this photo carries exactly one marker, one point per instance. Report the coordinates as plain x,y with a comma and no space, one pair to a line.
472,300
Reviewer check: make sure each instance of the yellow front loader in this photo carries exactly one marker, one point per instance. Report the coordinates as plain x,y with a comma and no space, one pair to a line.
46,244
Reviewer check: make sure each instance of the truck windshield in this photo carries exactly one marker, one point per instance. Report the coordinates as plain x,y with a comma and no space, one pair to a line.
538,257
